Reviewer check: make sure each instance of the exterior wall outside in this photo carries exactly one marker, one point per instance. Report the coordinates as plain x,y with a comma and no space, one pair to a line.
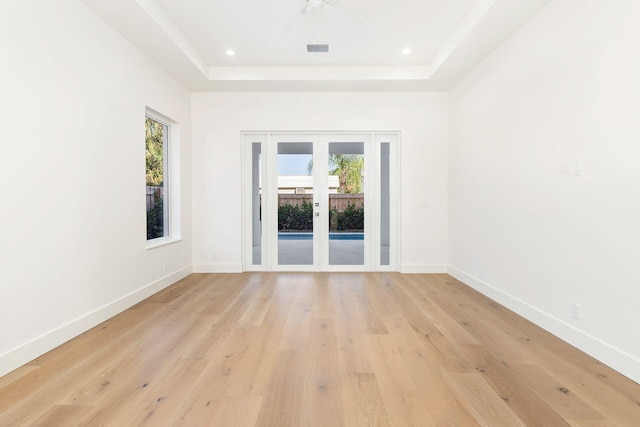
292,184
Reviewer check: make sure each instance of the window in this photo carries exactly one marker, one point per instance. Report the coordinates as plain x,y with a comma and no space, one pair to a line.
157,194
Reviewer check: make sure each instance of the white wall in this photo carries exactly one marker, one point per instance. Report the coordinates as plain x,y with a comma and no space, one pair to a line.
562,96
72,251
219,118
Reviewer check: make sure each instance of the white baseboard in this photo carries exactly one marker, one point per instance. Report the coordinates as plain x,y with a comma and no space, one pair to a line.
615,358
217,268
25,353
423,268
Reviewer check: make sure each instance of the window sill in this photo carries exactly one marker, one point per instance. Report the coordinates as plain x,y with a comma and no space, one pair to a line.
162,241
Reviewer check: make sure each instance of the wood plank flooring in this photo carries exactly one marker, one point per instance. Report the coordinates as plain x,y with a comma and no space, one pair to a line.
309,349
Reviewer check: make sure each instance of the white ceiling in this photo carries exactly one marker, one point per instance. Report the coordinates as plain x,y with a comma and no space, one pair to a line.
189,39
274,32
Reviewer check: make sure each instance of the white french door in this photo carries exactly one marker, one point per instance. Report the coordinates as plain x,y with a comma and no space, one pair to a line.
304,202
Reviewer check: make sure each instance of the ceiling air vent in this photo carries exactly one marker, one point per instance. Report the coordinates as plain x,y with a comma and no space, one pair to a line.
317,47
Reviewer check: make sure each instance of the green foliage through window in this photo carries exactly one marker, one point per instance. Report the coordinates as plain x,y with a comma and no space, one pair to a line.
155,220
300,218
348,168
155,134
351,219
296,217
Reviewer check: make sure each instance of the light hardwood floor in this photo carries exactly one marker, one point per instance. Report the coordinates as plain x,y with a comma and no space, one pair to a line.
307,349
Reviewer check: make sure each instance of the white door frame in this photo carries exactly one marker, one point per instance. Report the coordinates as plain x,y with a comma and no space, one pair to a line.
268,225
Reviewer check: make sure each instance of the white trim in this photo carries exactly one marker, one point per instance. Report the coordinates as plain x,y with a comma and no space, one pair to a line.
158,117
172,179
24,353
395,189
217,268
461,33
407,72
615,358
161,241
248,139
171,30
422,268
371,140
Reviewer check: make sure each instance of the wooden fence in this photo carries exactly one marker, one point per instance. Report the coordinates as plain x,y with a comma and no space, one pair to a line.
339,201
153,194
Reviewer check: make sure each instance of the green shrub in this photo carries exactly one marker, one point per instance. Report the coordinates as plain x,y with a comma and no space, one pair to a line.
300,217
333,219
351,218
155,220
295,217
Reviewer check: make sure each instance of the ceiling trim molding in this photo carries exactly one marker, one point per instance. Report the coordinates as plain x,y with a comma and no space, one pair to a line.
320,73
160,18
466,26
145,24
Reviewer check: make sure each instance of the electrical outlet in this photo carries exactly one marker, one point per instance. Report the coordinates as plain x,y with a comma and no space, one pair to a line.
575,311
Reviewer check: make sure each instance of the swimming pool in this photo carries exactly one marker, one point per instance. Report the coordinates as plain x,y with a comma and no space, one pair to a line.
309,236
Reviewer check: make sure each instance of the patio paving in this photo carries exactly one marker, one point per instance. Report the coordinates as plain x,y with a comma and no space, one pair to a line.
341,252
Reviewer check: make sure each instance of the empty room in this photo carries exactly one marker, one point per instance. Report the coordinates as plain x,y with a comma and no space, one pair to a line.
320,213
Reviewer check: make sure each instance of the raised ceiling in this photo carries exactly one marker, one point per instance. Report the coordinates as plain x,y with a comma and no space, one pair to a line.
189,38
274,32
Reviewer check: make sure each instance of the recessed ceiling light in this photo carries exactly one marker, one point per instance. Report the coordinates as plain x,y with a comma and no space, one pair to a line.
230,52
406,51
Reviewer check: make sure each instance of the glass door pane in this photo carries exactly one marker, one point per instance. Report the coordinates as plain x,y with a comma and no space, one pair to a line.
346,203
256,203
295,203
385,203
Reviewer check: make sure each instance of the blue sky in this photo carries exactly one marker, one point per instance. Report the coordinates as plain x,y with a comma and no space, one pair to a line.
293,164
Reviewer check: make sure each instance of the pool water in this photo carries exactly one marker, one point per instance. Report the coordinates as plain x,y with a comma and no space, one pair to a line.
309,236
